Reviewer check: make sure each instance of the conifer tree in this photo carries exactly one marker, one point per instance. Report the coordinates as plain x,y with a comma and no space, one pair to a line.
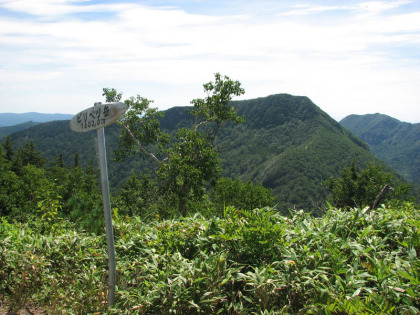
8,147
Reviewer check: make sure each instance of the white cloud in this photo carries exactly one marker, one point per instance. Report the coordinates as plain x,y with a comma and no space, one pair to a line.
375,7
49,8
345,66
306,9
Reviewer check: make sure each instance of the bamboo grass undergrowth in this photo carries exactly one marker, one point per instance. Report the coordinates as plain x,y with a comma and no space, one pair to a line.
247,262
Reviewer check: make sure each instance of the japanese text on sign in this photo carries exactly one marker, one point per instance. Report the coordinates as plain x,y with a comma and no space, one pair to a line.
93,119
99,116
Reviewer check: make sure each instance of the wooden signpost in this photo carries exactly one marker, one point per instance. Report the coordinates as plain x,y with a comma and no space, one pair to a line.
96,118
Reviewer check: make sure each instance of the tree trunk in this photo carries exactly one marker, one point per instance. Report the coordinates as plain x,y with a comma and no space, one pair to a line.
183,200
182,206
381,195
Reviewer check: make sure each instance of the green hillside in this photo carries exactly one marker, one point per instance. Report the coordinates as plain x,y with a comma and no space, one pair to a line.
5,131
287,143
290,145
395,142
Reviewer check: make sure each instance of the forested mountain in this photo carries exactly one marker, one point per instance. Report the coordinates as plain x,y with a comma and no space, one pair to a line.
395,142
11,119
5,131
287,143
290,145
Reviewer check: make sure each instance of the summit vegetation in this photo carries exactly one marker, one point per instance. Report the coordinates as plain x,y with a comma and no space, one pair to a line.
354,261
207,206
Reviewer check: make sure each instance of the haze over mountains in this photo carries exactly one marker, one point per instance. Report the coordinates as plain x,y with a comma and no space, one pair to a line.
11,122
287,143
11,119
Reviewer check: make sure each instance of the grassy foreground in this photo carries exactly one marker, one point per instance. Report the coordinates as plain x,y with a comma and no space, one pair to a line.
249,262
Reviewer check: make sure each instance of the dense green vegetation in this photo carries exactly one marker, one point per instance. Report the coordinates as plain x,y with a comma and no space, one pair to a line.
232,256
245,262
191,242
5,131
290,145
395,142
188,161
286,143
361,188
31,186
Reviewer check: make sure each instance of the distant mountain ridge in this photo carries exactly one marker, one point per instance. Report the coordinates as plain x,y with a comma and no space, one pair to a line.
287,143
5,131
11,119
396,143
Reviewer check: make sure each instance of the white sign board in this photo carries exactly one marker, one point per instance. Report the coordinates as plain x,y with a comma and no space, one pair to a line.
98,116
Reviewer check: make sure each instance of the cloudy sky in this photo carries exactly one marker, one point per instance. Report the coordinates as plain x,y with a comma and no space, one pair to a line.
348,57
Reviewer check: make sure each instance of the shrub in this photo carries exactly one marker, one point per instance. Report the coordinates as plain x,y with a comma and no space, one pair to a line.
247,262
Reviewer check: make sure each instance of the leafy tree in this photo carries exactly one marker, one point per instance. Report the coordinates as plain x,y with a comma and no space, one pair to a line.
344,189
141,131
111,95
213,108
137,196
10,183
360,189
192,161
241,195
186,164
81,198
11,196
36,184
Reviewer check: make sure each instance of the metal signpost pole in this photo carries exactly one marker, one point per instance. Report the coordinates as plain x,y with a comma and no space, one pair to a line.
96,118
108,216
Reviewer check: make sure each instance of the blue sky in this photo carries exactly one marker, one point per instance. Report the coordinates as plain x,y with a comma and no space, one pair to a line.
348,57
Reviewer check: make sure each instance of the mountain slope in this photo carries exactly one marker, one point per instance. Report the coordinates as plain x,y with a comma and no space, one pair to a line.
395,142
290,145
11,119
287,143
5,131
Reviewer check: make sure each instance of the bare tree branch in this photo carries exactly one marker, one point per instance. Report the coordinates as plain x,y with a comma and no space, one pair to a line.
139,145
384,190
